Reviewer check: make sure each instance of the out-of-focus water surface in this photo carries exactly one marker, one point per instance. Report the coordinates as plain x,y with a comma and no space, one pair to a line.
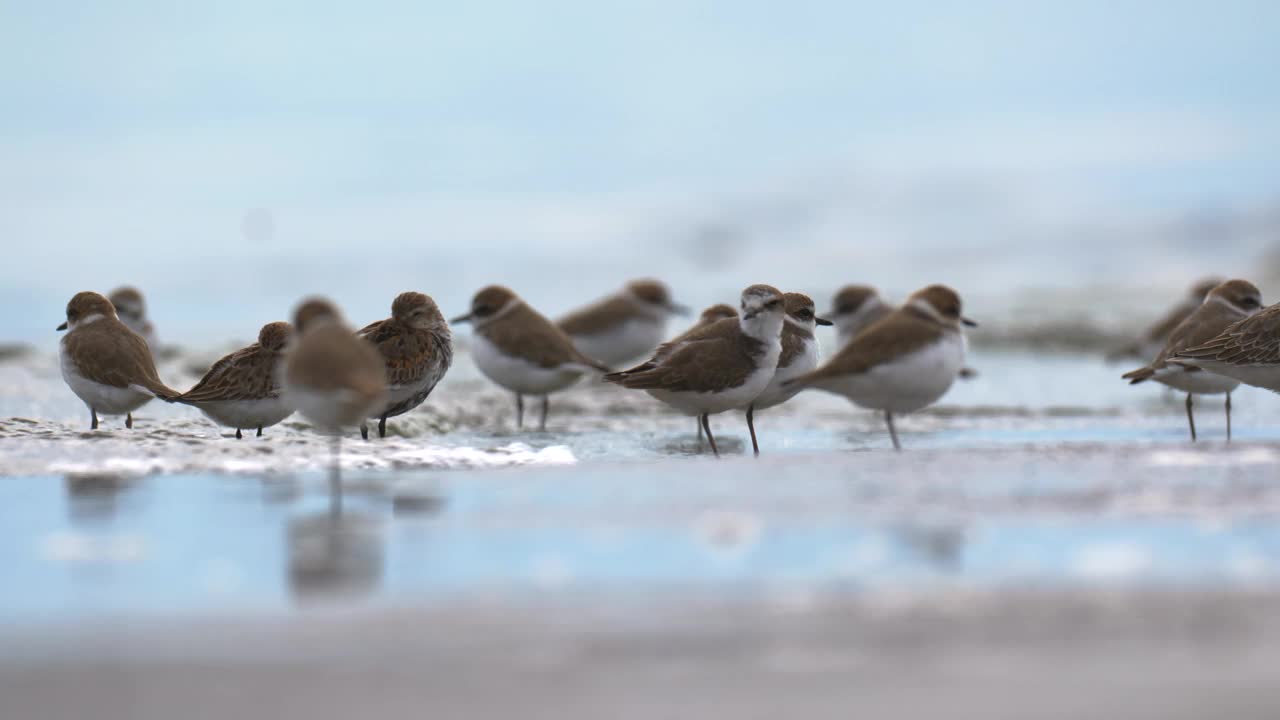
1045,470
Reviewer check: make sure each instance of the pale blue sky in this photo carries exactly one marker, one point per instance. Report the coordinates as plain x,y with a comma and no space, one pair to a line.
135,128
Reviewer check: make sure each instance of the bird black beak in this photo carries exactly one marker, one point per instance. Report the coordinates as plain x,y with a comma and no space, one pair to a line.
61,327
678,309
461,319
822,321
967,322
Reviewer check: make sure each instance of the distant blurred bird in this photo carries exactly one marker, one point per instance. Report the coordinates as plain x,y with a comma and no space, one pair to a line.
132,311
334,378
242,390
855,308
902,363
723,366
1153,340
625,325
521,350
106,364
417,349
1226,304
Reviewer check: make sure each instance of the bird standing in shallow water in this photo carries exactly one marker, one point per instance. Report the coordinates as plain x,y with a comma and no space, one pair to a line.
417,350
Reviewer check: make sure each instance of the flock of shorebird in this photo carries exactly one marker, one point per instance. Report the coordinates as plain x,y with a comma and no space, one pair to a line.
892,359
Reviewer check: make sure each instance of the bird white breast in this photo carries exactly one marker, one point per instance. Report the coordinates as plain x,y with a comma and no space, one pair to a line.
803,363
630,340
245,414
1198,383
734,398
105,399
907,384
1263,376
517,374
330,410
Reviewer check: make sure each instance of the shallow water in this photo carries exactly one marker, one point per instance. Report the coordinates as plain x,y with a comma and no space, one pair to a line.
1046,470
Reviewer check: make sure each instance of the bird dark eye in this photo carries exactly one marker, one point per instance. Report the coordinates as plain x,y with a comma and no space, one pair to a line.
771,304
805,314
482,310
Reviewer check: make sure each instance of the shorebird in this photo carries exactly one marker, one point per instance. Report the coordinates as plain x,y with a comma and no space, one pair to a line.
1153,339
334,378
625,325
855,308
1247,350
522,351
1226,304
799,350
242,390
417,349
106,364
723,366
902,363
132,311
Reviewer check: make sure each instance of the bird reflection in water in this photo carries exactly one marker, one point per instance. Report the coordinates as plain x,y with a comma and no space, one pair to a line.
335,555
95,497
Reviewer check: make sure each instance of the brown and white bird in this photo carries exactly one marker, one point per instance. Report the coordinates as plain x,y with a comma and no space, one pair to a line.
1226,304
131,308
902,363
625,325
242,390
1154,338
106,364
855,308
334,378
1247,350
799,350
723,366
522,351
417,349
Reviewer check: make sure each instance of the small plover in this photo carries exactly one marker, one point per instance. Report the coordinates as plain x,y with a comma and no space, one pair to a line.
723,366
710,315
132,311
1226,304
902,363
1154,338
625,325
855,308
1248,351
334,378
521,350
106,364
417,348
799,350
242,390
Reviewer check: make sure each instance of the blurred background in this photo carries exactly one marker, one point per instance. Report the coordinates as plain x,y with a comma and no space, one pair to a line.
1070,159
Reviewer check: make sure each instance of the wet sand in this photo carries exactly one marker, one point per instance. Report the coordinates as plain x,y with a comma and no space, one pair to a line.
1020,656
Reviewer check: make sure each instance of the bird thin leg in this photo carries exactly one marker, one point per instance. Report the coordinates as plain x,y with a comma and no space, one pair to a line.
93,425
519,411
1228,417
1191,421
128,420
382,426
755,447
893,432
702,438
259,431
335,475
237,433
364,431
546,405
706,425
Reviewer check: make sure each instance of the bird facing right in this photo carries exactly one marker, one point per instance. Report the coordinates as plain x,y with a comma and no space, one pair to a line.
902,363
416,347
1226,304
624,326
242,390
